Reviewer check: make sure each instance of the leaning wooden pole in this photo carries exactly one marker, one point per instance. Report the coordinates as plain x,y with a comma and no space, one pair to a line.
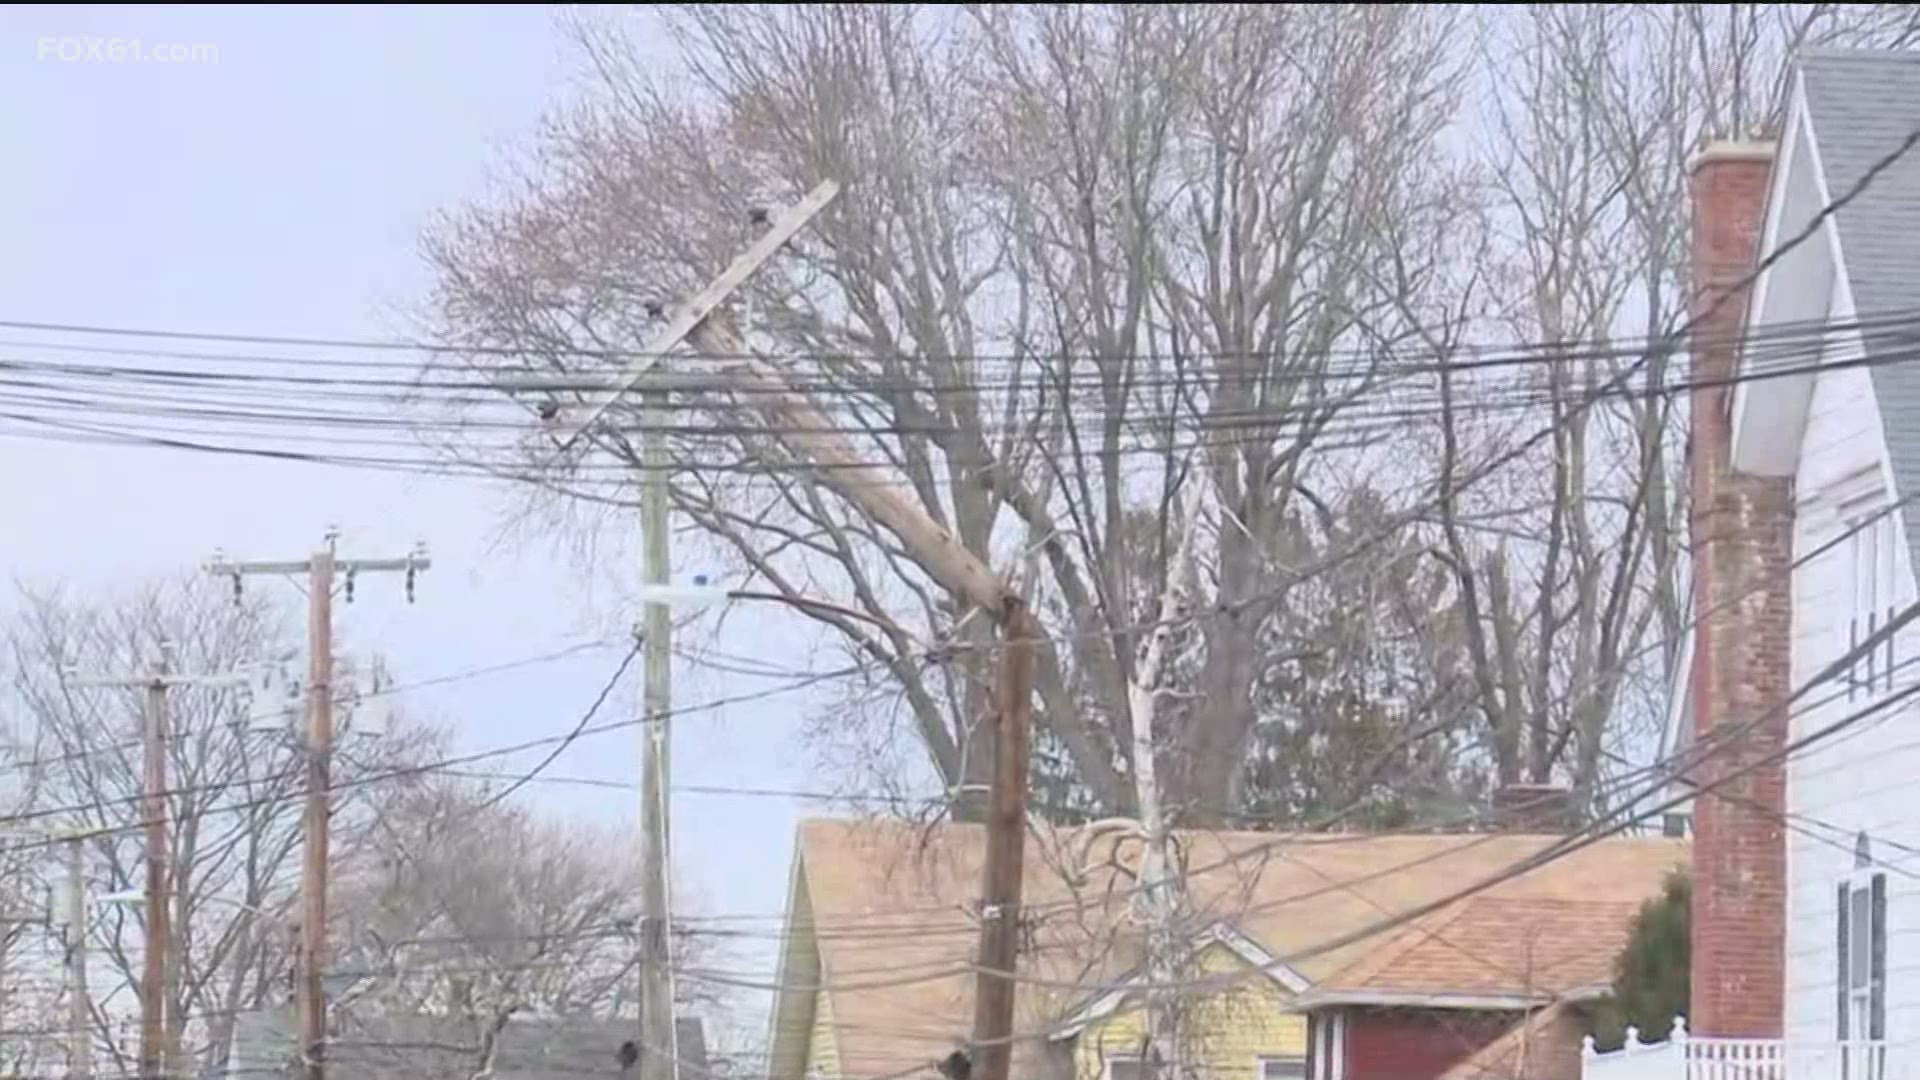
796,421
1006,844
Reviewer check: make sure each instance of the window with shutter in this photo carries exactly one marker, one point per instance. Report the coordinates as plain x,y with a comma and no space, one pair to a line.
1860,962
1843,1005
1861,997
1877,963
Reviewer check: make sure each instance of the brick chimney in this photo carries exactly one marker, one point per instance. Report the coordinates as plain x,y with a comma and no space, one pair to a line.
1742,540
1535,808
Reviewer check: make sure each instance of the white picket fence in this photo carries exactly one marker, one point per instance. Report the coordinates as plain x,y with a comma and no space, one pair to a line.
1683,1057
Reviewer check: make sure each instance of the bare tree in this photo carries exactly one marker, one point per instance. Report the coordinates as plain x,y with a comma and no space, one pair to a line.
29,972
234,772
1365,706
1086,255
463,908
1572,609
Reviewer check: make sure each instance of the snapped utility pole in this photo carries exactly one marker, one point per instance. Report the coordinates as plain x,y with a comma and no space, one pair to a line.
797,421
659,1052
794,419
156,1022
321,567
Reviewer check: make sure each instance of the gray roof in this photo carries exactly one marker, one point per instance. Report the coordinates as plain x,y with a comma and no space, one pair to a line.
1863,104
447,1048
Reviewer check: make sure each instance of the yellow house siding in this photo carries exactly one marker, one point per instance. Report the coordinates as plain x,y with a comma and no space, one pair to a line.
823,1057
796,1015
1225,1034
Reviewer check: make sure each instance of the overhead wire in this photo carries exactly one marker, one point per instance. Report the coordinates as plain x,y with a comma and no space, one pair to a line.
1553,850
1357,422
571,736
1205,984
298,405
381,775
1795,745
1587,836
8,764
1662,770
362,344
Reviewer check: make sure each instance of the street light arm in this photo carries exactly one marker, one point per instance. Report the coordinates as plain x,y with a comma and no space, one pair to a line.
137,897
817,605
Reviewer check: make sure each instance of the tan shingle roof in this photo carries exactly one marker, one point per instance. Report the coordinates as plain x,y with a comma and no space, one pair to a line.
892,910
1497,945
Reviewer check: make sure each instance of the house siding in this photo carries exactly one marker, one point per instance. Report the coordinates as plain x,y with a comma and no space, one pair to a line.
823,1055
796,1016
1859,781
1416,1044
1228,1032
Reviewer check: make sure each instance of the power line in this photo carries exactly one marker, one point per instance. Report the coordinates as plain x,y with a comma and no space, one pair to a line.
382,776
567,740
223,383
41,762
1766,263
481,349
1583,838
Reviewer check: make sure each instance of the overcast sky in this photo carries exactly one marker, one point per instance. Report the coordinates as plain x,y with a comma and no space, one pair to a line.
278,186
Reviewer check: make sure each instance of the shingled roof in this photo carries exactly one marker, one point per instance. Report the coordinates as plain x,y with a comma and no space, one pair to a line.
448,1048
1863,104
1490,952
889,910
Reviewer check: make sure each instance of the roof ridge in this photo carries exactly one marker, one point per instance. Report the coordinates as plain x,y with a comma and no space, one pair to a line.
870,902
1856,52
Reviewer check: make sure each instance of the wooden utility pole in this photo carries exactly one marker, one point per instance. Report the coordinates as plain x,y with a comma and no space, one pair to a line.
79,1006
690,314
153,973
794,419
320,568
155,1022
6,946
797,421
660,1054
311,996
1006,844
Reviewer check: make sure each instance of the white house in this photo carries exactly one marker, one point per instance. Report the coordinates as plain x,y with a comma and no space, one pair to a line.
1805,473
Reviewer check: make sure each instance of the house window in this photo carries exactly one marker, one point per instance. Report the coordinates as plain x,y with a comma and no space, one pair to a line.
1871,549
1861,969
1123,1068
1282,1068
